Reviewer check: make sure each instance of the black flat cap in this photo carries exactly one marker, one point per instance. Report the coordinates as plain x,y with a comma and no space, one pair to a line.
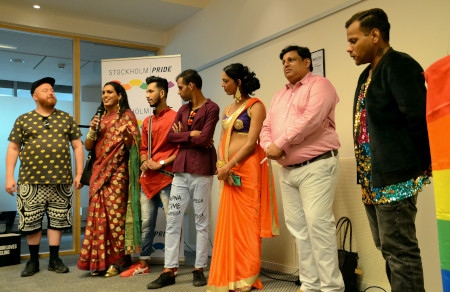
36,84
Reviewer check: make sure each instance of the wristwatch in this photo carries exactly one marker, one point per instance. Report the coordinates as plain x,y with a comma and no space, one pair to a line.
161,162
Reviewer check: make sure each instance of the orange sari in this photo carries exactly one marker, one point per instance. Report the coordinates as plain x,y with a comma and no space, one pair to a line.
246,214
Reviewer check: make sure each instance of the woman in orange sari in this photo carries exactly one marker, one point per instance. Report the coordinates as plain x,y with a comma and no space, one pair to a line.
104,248
247,208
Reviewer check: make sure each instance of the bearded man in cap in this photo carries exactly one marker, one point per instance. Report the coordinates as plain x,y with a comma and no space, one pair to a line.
40,139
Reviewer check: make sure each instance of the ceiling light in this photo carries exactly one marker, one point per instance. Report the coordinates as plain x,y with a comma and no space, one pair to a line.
9,47
17,60
36,6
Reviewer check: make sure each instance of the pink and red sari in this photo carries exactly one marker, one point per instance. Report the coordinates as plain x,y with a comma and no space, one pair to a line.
104,238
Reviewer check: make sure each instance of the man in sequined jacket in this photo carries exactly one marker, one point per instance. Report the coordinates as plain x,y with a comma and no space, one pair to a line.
391,144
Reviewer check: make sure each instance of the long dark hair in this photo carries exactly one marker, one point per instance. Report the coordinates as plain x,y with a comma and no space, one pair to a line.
123,102
249,82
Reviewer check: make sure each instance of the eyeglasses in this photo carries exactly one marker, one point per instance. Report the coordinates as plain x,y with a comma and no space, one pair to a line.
46,123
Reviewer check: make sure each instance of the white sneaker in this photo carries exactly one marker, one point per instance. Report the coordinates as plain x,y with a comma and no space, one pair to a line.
136,269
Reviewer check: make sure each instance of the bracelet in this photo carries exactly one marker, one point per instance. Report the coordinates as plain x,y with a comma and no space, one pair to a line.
220,163
235,162
142,162
91,135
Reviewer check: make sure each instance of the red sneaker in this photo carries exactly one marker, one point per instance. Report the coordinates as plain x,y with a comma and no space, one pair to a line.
175,271
136,269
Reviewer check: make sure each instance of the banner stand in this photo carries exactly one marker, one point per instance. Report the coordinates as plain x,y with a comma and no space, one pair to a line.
131,73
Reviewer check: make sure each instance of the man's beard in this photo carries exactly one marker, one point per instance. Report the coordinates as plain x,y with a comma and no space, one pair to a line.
156,103
49,103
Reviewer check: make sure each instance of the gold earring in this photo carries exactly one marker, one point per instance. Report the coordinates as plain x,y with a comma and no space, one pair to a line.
237,95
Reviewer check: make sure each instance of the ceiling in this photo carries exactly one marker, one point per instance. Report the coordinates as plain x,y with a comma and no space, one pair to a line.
51,56
156,15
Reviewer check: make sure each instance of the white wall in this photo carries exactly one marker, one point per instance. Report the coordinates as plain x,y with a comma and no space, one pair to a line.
224,32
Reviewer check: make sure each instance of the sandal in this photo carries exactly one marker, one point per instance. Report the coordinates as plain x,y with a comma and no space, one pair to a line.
98,273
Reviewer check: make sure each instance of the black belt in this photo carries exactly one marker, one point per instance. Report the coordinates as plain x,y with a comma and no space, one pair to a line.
326,155
166,172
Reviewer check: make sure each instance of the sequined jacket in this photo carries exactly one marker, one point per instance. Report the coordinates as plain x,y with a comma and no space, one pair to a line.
396,119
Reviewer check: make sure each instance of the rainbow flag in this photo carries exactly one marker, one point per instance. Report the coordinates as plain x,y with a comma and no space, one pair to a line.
438,121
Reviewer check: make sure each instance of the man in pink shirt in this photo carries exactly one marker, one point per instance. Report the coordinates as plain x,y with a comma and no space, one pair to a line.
299,132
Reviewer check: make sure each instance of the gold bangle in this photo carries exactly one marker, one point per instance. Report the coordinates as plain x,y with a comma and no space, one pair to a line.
91,135
220,163
235,162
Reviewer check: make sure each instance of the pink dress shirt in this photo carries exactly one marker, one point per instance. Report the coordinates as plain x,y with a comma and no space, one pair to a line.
301,120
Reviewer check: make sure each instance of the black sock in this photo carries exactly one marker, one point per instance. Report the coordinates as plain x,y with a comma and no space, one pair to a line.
34,252
54,252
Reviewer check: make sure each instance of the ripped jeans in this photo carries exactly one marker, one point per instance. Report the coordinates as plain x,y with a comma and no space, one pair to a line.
149,214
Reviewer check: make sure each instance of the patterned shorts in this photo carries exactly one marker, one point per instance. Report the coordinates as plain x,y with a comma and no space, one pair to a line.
33,201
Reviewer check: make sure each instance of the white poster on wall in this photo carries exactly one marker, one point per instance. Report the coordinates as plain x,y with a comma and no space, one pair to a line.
131,73
318,62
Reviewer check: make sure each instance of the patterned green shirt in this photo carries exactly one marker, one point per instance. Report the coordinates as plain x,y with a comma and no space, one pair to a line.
44,147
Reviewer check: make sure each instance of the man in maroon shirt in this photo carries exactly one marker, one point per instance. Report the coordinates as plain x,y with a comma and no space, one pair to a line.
194,167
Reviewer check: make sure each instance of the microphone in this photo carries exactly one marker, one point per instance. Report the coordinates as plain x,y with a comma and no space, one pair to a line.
98,114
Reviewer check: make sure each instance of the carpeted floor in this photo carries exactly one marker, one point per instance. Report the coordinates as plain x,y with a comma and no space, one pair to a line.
77,280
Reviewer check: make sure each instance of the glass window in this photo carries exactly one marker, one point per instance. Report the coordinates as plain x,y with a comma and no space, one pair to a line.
26,57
